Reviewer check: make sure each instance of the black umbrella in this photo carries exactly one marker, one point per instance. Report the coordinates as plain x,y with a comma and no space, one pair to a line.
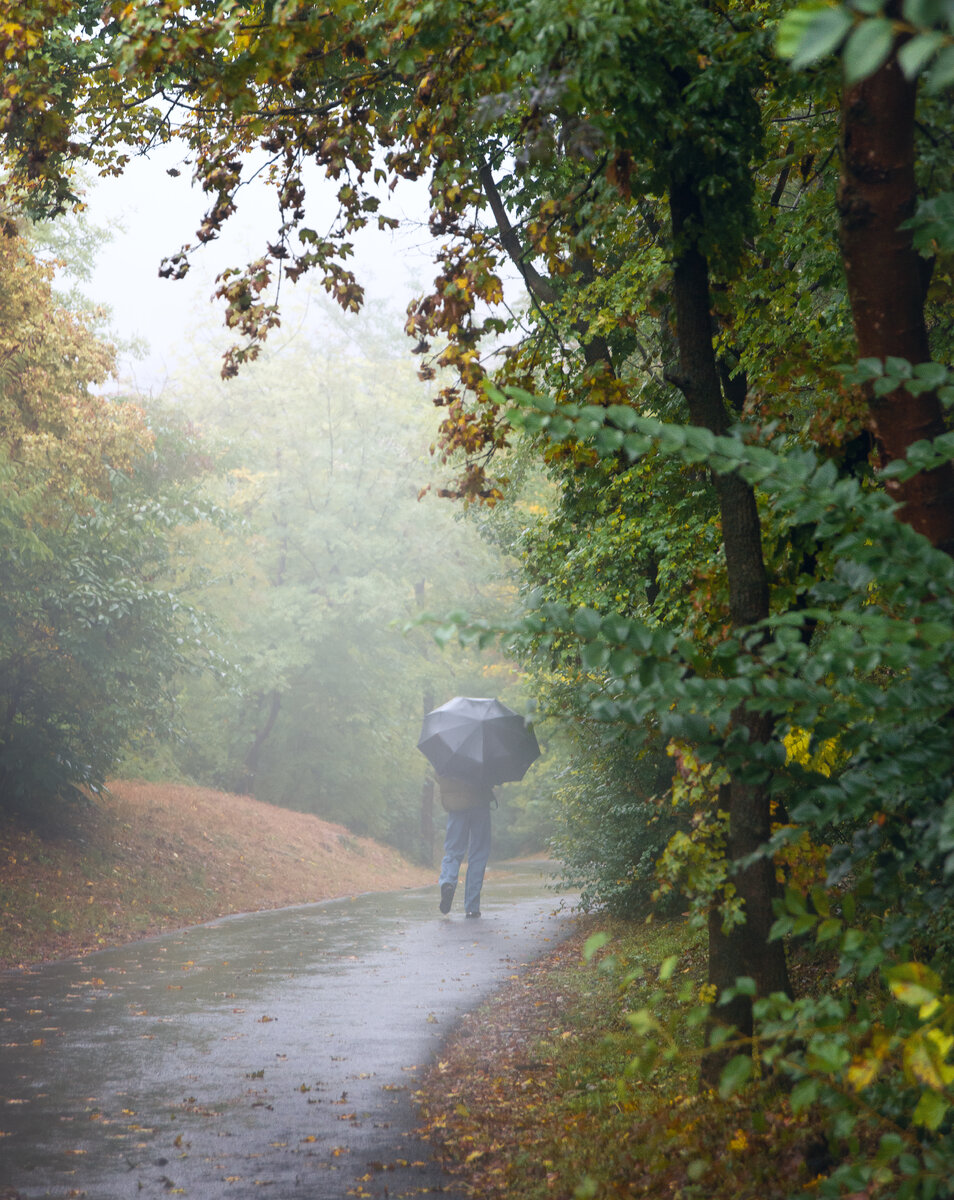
479,740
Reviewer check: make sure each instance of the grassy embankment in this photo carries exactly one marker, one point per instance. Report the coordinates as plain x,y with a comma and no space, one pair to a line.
150,857
535,1096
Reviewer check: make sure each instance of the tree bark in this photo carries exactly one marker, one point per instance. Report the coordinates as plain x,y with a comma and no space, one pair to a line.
743,950
887,281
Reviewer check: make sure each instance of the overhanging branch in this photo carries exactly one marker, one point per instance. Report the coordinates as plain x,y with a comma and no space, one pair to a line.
537,285
595,349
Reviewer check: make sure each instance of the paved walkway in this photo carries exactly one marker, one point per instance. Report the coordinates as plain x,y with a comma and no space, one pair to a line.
271,1055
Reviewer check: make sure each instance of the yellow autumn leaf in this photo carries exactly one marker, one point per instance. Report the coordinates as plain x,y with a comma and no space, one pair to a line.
924,1057
914,984
862,1072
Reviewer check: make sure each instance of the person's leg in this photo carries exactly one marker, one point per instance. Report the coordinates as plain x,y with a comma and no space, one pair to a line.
478,852
455,847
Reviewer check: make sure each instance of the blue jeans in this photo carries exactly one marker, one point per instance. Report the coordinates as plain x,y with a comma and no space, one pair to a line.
468,833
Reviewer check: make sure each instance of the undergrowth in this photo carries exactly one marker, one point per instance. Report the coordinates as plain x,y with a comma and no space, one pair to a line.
537,1095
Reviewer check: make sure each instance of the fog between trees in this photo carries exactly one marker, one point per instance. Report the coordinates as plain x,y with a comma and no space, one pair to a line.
324,551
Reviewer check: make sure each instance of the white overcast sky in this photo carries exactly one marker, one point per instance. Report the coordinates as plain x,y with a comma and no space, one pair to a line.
150,214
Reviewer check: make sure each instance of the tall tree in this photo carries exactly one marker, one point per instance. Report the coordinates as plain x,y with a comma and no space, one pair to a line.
888,280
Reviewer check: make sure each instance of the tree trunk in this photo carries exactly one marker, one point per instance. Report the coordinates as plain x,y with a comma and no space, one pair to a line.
262,734
887,280
596,351
427,787
745,950
427,821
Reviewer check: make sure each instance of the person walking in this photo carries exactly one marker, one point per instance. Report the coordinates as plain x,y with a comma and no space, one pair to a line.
468,834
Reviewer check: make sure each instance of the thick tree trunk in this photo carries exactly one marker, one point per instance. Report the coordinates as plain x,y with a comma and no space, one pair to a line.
887,280
745,950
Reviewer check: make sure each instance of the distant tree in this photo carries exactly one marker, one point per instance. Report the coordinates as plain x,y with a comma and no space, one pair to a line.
323,451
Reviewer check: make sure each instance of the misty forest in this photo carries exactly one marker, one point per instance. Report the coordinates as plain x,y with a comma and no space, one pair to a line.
660,454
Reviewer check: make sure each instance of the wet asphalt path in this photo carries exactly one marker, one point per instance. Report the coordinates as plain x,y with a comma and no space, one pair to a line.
268,1056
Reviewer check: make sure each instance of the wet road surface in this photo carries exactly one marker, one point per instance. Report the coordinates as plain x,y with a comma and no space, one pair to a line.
269,1055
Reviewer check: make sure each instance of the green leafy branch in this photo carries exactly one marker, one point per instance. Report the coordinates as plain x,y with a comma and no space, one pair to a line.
866,32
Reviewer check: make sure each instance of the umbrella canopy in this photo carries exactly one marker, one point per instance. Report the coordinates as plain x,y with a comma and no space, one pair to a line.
479,740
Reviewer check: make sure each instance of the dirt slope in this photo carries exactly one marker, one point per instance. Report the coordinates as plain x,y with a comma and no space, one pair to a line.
148,857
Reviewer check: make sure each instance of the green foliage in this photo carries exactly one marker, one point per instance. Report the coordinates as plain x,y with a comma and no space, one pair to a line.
933,225
864,660
865,31
667,192
90,640
89,645
612,823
